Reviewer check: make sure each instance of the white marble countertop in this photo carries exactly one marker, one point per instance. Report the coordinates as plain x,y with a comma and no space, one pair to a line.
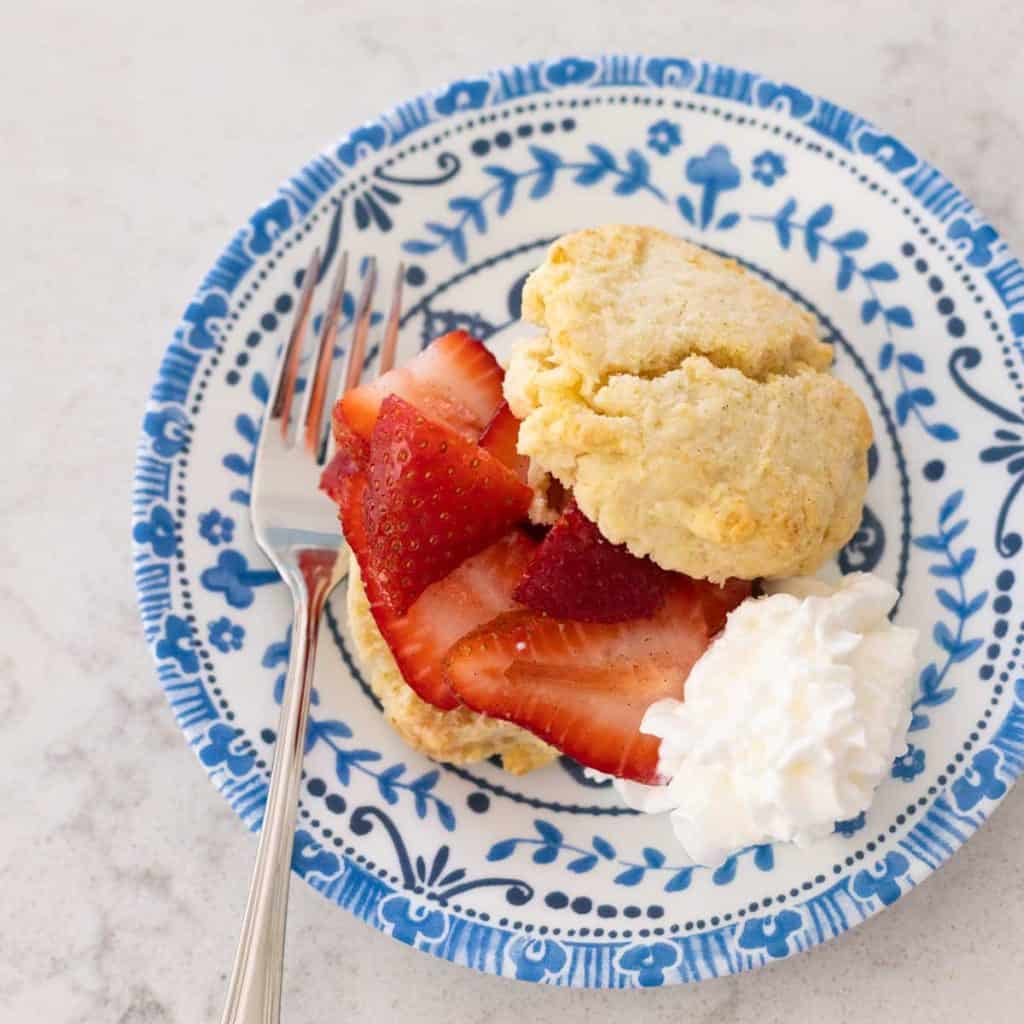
133,139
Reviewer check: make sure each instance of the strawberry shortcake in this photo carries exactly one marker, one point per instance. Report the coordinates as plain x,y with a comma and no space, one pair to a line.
540,561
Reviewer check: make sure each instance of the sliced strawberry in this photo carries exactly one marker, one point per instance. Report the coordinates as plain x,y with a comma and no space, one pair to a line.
584,687
478,590
433,500
500,438
454,380
578,574
351,457
720,600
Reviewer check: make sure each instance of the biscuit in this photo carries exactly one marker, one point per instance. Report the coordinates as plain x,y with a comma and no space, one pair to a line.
703,433
624,299
460,736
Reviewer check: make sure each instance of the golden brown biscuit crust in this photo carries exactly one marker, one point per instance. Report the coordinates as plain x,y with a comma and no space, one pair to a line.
628,299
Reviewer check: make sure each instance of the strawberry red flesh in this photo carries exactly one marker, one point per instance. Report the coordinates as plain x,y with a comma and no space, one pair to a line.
578,574
477,591
351,457
433,500
720,600
454,380
584,687
500,438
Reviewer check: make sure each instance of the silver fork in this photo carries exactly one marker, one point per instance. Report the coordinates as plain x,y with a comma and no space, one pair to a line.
297,529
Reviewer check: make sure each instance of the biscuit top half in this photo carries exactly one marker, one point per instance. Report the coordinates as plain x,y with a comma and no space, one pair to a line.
688,406
626,299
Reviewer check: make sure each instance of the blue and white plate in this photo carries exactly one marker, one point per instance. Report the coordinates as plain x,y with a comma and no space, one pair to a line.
548,878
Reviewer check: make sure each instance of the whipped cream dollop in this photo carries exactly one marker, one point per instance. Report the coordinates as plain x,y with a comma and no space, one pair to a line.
792,718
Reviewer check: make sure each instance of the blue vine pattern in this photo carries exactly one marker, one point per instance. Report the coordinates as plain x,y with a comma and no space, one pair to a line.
550,844
953,567
912,398
248,429
634,175
331,732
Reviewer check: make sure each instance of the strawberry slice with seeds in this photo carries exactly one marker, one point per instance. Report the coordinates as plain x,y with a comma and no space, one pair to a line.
477,591
578,574
433,500
500,438
454,380
584,687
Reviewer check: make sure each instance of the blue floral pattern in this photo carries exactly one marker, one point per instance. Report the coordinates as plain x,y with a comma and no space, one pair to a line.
408,921
362,142
166,428
649,961
909,764
714,173
226,635
883,880
216,527
770,933
268,224
235,579
537,959
176,643
461,207
158,532
768,167
975,242
224,747
664,136
203,319
309,858
980,783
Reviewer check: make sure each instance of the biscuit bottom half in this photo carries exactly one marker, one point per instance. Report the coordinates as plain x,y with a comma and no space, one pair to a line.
459,736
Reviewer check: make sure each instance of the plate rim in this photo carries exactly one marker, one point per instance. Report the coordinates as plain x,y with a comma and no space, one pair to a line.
343,157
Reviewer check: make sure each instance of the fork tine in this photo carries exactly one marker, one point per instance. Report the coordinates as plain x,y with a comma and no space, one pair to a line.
390,343
287,371
357,353
316,388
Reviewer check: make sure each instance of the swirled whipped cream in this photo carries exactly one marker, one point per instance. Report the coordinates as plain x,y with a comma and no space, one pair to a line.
791,720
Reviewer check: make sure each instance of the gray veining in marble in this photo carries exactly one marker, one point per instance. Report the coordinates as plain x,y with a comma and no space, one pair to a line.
133,139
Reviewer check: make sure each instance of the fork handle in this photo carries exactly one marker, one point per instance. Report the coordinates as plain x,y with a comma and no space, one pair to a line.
254,990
